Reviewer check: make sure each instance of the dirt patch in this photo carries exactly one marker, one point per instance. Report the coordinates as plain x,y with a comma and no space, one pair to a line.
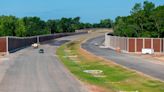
2,54
160,58
156,56
86,55
92,57
93,88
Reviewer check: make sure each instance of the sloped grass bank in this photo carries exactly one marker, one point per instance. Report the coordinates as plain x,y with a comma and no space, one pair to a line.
113,77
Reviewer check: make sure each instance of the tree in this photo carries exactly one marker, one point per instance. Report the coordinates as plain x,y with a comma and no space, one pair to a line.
106,23
124,27
158,17
137,7
35,26
20,28
8,25
146,21
31,26
52,26
148,7
75,23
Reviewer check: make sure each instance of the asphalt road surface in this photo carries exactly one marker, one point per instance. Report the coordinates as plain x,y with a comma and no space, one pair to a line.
30,71
147,66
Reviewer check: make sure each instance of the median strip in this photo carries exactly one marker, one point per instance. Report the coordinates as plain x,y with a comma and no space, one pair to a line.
105,75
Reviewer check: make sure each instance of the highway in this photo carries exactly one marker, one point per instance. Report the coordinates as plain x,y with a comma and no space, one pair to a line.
149,67
30,71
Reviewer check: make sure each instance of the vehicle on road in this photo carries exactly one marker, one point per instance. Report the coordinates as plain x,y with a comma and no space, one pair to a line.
96,44
35,45
41,50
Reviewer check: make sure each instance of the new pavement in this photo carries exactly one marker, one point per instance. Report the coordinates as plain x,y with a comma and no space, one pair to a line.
30,71
146,66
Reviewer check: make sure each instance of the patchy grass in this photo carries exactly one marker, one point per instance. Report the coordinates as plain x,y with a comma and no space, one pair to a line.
116,78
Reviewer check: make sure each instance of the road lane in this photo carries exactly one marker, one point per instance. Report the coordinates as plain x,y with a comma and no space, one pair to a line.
35,72
146,66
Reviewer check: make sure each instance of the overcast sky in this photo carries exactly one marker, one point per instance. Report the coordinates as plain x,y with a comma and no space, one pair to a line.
89,10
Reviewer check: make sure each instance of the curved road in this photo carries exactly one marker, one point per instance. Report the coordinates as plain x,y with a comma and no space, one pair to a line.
147,66
29,71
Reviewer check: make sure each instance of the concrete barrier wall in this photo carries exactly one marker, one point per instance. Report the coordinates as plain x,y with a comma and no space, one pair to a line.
12,44
157,45
15,43
147,43
162,41
48,37
3,44
95,30
139,44
43,38
134,44
114,42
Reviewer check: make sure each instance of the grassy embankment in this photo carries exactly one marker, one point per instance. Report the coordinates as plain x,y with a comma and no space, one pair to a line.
113,78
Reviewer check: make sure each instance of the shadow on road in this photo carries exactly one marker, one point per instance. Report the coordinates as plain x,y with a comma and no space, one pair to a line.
58,42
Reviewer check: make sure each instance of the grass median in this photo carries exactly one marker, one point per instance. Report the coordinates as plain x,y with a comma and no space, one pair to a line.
105,75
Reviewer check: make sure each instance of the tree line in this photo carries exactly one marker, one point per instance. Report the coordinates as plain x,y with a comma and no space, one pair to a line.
145,20
31,26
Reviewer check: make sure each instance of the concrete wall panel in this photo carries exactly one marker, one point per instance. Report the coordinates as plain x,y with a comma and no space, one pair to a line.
147,43
157,45
139,45
131,45
3,45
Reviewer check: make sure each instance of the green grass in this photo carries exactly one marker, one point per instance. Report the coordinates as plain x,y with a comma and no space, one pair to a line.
116,78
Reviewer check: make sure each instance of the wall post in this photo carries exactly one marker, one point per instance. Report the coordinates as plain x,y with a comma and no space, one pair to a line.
152,43
109,41
128,44
38,39
143,42
135,45
163,45
7,45
160,45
